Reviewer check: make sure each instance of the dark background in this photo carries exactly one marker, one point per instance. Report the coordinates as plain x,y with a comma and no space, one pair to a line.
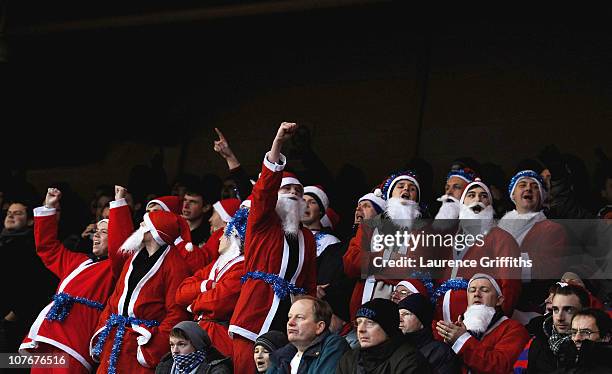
90,89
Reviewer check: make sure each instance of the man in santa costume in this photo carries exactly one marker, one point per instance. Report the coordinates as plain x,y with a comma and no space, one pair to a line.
540,240
400,191
280,255
69,321
456,181
212,292
484,338
476,220
133,330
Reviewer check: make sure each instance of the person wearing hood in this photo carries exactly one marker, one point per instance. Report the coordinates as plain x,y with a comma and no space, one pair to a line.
191,352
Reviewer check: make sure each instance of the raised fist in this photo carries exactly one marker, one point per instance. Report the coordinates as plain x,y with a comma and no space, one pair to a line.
120,192
53,197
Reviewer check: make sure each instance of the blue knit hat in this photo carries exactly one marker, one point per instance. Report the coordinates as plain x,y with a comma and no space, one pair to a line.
527,174
389,184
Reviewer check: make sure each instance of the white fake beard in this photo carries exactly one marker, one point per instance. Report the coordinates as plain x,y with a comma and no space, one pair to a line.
449,209
403,212
290,212
135,241
476,223
478,317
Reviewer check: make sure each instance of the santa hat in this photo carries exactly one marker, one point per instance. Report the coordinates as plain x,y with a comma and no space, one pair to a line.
490,278
165,227
530,174
389,184
453,304
317,193
466,174
237,225
172,204
379,203
415,286
289,178
476,182
331,219
226,208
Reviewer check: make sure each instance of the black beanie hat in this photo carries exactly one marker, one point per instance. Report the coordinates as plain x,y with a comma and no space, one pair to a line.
384,312
272,340
420,306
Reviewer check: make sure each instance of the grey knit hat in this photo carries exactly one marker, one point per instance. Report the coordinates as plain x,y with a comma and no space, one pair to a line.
199,338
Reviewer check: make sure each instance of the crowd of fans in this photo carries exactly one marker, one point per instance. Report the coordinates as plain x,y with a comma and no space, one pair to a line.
271,270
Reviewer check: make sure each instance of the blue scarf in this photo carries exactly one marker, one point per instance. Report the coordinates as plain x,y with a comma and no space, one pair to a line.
186,363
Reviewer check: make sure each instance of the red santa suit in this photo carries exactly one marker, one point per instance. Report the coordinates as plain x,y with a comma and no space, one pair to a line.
213,306
267,252
355,261
65,324
496,351
497,243
140,323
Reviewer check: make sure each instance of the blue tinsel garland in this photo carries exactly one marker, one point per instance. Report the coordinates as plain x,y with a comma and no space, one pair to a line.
451,284
63,302
238,222
318,236
425,278
466,173
119,321
280,286
525,174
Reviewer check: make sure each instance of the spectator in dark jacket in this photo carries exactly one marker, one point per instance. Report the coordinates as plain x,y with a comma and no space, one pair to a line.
383,348
312,347
416,313
266,344
191,352
21,303
590,350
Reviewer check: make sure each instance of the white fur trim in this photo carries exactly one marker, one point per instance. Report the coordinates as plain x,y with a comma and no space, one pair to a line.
274,167
153,230
246,204
43,211
446,301
91,345
118,203
472,184
189,247
525,270
61,346
203,285
490,278
325,222
461,341
233,329
289,180
222,212
140,358
319,193
161,203
178,241
375,199
401,178
408,285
